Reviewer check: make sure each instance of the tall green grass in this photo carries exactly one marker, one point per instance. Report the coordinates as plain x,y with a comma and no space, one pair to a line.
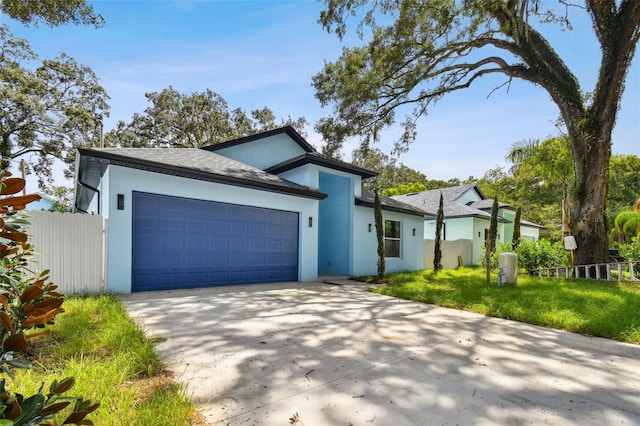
113,363
597,308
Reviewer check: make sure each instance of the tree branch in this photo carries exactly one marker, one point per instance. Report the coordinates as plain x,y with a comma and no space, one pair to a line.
602,13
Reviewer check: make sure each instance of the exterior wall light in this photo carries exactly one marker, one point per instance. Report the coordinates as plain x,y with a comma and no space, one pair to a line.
310,222
369,227
120,201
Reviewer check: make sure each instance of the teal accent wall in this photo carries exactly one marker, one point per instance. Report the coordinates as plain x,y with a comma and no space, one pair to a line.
334,224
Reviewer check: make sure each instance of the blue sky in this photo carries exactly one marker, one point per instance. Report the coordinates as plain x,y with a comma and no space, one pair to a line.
264,53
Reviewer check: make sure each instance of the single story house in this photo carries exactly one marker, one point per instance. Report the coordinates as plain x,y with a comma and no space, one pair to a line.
263,208
45,202
467,215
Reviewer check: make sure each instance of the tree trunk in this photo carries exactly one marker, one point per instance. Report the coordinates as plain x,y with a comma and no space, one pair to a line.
566,213
589,225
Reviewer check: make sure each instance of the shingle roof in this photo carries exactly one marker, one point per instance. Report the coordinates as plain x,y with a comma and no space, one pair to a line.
488,204
321,160
197,164
531,224
368,198
429,201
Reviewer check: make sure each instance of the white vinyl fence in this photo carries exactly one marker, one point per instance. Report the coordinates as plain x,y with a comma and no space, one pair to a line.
72,246
452,253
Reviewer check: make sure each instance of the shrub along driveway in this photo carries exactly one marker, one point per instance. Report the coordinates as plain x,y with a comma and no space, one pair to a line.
339,355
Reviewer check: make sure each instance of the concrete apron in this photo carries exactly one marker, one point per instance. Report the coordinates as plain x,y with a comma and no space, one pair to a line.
338,355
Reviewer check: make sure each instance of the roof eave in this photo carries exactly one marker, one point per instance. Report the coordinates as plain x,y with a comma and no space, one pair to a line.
290,131
461,216
305,159
361,202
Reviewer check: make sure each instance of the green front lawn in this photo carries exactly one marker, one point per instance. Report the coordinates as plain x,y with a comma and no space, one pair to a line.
595,308
113,363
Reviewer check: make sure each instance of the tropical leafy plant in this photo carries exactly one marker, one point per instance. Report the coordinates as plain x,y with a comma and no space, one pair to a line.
626,225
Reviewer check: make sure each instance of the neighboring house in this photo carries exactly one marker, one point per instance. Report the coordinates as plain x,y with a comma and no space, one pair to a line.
44,203
467,216
263,208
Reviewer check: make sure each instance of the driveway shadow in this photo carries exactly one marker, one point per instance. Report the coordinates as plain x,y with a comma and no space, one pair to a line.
339,355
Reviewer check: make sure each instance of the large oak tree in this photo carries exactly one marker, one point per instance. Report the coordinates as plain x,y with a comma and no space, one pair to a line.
178,120
51,12
47,108
421,50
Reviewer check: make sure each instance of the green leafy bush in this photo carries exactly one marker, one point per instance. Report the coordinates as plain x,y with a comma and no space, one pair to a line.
631,251
541,254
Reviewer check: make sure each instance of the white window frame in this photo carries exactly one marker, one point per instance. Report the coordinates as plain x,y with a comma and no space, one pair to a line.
398,238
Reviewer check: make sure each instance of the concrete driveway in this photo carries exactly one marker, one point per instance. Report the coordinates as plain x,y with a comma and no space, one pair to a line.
339,355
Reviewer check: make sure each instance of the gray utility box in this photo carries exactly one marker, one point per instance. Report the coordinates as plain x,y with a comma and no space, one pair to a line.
508,268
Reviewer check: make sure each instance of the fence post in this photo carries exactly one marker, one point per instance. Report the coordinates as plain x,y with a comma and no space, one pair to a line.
619,271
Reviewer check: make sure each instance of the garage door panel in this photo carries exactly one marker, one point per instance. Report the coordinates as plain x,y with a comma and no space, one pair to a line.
217,227
257,245
173,225
195,226
186,243
257,230
218,245
197,243
197,210
151,224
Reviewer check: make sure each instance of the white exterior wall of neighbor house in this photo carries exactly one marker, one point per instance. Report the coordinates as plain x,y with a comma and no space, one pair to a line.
479,225
264,153
529,233
458,228
366,243
430,229
465,228
122,180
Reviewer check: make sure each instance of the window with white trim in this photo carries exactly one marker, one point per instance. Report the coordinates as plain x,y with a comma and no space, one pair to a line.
392,238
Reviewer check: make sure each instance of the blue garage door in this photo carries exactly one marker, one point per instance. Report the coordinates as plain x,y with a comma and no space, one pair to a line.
186,243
